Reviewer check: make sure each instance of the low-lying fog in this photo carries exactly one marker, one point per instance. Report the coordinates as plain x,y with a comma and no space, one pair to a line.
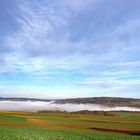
39,105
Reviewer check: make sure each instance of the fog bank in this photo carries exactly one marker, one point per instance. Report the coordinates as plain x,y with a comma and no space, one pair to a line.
34,106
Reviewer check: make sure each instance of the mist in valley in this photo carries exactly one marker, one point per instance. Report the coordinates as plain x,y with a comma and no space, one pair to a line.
34,106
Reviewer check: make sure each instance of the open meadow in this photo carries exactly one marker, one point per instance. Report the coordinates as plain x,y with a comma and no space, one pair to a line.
69,126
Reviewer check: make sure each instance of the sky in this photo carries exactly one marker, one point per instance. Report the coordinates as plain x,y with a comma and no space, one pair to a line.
69,48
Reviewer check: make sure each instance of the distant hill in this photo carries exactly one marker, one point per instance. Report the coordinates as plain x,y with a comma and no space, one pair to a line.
22,99
105,101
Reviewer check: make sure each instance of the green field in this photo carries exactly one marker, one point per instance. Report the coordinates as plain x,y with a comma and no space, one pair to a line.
66,126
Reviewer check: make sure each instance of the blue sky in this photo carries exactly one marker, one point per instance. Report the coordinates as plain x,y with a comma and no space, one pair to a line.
69,48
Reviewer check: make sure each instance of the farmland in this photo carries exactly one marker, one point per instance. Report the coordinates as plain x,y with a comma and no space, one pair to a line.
69,126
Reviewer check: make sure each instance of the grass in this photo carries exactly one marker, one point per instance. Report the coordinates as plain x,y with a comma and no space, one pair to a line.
52,126
10,118
39,134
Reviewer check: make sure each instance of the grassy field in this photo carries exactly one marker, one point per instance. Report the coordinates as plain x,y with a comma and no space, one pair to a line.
66,126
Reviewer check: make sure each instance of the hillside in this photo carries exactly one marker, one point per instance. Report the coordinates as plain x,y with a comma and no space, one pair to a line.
106,101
